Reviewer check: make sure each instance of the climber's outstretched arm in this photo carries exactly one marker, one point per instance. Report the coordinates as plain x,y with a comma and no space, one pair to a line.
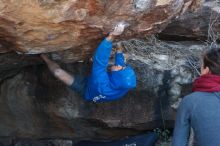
103,52
58,72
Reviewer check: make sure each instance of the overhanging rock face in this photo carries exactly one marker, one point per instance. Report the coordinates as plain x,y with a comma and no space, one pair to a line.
34,104
36,26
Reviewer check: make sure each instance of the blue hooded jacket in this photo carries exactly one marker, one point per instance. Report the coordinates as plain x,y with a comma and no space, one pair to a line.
104,86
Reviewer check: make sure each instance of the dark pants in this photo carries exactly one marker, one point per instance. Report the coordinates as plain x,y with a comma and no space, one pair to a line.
79,84
80,79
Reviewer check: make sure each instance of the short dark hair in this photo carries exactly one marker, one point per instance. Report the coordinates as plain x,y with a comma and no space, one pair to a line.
211,59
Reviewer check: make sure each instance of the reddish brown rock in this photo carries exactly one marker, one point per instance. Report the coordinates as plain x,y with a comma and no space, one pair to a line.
37,26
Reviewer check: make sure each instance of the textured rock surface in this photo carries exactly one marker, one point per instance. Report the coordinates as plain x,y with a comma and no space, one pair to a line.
36,26
34,104
199,25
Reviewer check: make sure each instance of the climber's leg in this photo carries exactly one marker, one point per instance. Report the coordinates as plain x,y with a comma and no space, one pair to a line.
57,71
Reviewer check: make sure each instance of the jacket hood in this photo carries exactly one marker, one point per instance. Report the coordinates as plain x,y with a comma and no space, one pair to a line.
123,79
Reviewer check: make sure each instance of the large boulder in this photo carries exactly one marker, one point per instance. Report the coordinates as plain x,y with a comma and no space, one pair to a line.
39,26
34,104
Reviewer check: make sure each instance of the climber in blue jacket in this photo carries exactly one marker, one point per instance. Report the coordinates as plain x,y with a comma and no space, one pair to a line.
101,85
